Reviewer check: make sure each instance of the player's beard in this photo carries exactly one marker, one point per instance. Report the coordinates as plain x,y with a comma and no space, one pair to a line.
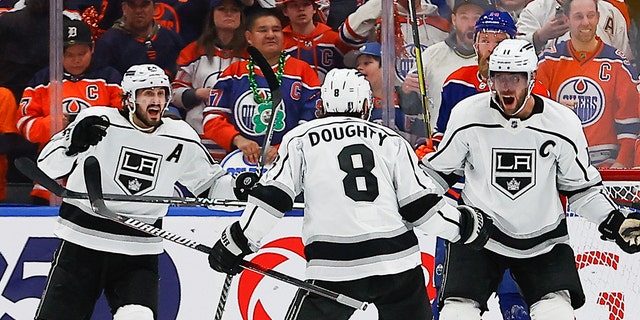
146,118
515,105
483,66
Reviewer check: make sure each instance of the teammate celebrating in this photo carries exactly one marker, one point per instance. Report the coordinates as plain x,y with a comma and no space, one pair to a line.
143,153
516,149
490,29
378,194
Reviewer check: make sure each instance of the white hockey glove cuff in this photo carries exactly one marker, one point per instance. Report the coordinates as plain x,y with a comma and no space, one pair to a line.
475,227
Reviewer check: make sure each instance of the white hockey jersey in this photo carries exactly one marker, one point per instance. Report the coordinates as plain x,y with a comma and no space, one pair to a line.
515,171
440,60
364,192
132,163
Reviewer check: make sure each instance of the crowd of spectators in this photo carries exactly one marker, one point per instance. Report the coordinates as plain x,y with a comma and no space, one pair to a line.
196,41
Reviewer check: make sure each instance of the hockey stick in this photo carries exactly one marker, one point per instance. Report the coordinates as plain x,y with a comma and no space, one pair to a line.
419,67
31,171
93,181
276,98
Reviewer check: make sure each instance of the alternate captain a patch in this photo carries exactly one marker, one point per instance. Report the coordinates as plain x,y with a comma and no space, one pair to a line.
137,171
513,171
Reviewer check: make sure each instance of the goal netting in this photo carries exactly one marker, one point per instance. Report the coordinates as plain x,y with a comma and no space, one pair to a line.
610,277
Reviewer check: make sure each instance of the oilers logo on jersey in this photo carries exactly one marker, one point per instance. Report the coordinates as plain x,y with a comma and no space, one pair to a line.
407,64
587,95
252,119
137,170
73,105
513,171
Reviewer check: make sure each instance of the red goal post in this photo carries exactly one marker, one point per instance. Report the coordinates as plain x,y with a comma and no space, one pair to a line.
610,277
623,186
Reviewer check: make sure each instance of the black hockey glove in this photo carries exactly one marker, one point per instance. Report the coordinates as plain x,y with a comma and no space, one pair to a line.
244,183
228,252
610,230
475,227
88,132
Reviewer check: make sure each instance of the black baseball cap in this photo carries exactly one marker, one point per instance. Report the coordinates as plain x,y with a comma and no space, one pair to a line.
486,5
215,3
76,32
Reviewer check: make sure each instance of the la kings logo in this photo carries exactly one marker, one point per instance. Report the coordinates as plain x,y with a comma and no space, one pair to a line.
513,171
137,171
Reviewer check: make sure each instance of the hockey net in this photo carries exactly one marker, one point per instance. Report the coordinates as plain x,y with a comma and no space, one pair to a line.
611,284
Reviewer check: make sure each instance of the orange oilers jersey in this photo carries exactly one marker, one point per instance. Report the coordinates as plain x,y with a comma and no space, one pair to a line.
7,125
97,87
602,88
322,49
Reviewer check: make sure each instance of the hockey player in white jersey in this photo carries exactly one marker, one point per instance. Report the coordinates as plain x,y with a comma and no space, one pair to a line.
141,153
364,192
519,152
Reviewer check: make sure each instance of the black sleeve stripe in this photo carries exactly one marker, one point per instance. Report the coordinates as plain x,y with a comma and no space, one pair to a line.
273,196
415,210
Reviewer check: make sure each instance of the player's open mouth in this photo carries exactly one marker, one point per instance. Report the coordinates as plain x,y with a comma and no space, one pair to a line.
469,35
508,100
154,111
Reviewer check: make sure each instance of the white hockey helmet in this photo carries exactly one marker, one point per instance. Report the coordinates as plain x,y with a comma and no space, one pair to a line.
144,76
345,91
517,56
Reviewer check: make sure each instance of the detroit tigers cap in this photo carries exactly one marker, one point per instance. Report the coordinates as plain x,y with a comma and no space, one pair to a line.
370,48
76,32
486,5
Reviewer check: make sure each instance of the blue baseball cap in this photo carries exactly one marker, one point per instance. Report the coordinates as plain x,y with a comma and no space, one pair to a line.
370,48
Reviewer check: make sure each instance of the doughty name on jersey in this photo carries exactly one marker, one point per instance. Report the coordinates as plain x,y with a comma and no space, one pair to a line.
348,131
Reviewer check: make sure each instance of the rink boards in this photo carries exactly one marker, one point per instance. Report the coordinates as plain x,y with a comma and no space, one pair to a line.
189,289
